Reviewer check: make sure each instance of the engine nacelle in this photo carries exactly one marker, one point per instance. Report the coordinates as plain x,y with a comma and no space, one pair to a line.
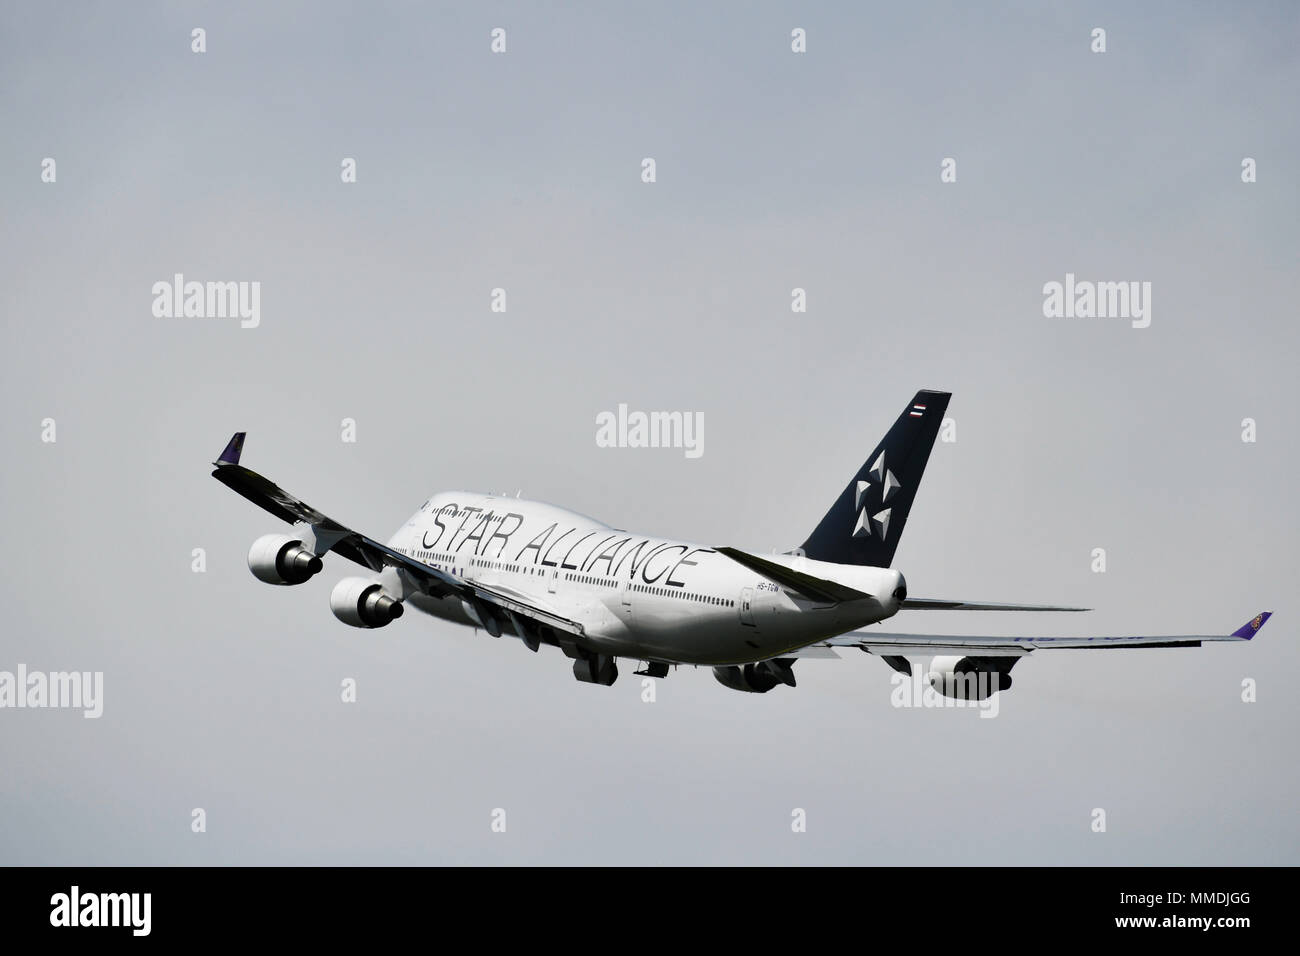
363,603
962,678
756,678
280,559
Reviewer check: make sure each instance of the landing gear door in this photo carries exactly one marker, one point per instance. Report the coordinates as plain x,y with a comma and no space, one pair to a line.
747,606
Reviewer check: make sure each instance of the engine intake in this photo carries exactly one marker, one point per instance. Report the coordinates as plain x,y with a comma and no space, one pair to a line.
363,603
280,559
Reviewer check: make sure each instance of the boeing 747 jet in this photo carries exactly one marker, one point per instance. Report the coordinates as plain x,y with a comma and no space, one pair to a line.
549,576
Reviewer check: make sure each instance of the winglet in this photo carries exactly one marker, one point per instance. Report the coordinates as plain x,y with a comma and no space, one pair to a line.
1247,630
231,455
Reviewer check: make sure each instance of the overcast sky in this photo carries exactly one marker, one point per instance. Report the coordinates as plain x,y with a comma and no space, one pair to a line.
522,171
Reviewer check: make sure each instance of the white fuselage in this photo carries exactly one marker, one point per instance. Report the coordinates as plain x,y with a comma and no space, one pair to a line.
637,596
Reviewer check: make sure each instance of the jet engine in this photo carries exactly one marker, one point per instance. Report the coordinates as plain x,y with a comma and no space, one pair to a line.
756,678
363,603
280,559
969,678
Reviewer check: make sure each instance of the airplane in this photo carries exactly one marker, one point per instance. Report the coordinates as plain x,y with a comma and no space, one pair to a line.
550,576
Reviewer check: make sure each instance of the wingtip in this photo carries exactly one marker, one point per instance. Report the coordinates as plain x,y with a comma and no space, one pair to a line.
1251,627
231,455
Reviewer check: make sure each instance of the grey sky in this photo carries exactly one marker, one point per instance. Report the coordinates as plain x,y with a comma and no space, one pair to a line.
522,171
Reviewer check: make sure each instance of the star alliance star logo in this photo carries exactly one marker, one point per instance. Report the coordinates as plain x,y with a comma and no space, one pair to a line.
885,480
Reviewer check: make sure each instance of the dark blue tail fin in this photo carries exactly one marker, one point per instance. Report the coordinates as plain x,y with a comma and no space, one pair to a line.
866,521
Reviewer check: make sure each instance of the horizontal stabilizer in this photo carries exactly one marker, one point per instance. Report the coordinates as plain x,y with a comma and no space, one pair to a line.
937,604
819,589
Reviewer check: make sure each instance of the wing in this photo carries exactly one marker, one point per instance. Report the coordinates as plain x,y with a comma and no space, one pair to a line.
322,533
879,642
